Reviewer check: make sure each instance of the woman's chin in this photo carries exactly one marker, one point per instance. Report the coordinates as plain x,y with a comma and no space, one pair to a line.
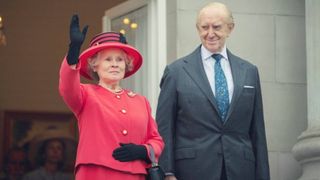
113,79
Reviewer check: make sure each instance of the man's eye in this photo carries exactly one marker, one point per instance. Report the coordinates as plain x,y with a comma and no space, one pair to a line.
205,27
217,27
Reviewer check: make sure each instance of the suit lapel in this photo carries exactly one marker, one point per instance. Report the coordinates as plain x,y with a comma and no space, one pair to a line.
194,68
238,75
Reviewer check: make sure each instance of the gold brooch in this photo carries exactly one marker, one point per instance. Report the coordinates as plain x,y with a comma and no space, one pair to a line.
131,94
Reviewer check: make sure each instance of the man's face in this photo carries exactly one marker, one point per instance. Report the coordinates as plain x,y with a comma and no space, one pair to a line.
213,28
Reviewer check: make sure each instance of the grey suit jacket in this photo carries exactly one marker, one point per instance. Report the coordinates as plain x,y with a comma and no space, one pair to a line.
196,140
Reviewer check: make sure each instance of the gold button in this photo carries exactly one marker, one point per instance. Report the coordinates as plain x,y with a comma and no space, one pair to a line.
131,94
124,132
117,96
123,111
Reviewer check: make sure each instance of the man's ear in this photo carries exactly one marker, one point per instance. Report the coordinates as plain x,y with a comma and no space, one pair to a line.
231,27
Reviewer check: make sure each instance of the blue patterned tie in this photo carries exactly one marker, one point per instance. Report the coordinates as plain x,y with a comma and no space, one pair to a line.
221,87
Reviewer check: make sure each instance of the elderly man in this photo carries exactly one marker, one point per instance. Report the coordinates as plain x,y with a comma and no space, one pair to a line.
210,109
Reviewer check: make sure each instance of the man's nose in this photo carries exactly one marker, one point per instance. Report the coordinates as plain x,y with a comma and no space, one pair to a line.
211,32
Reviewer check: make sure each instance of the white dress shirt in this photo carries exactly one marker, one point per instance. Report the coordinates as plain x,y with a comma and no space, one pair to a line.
208,64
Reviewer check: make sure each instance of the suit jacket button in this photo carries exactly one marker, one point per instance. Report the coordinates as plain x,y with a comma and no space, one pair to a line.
124,132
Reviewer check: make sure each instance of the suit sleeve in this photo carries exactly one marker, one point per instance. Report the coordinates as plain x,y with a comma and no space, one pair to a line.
166,117
258,136
70,88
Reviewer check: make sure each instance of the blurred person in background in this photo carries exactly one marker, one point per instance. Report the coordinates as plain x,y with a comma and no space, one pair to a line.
16,164
50,161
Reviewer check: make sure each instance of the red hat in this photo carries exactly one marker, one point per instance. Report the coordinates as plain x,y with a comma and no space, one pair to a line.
109,40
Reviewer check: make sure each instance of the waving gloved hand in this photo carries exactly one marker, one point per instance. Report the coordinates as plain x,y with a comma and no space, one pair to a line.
77,38
130,152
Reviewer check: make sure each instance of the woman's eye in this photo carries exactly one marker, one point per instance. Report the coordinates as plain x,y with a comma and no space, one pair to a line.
108,59
119,59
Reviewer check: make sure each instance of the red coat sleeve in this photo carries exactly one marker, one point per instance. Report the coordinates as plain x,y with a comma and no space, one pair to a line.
153,137
70,88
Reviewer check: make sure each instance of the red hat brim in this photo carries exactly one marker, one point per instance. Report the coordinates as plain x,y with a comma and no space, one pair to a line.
131,51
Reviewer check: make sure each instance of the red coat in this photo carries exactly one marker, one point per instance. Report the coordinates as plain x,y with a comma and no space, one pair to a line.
106,119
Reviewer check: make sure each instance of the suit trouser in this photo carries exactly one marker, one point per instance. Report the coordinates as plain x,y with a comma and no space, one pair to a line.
223,172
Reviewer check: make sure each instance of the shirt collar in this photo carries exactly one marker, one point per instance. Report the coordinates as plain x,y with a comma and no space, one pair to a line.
206,54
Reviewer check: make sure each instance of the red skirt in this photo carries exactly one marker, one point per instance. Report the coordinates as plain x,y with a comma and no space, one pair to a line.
96,172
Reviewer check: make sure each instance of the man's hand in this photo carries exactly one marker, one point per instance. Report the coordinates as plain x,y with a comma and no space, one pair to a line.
170,178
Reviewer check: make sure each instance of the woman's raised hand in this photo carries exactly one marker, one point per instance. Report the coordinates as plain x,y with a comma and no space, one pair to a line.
77,38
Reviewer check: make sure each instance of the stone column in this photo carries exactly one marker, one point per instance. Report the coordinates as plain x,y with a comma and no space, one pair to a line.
307,149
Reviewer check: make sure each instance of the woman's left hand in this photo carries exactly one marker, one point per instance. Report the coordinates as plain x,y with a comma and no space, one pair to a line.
130,152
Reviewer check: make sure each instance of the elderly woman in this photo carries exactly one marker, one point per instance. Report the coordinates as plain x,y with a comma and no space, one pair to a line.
116,129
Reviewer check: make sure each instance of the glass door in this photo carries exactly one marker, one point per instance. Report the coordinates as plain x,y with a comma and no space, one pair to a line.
134,26
144,24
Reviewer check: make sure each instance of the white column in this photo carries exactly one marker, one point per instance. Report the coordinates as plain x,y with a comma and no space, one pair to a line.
158,48
307,149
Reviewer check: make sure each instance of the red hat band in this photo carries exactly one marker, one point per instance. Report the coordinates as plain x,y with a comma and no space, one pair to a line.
108,37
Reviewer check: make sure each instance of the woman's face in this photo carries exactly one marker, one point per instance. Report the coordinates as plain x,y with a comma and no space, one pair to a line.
54,151
111,65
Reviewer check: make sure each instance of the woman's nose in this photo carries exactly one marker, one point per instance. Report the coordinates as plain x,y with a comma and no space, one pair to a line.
114,63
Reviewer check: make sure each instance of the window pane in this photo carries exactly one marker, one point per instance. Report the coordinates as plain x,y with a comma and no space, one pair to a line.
135,28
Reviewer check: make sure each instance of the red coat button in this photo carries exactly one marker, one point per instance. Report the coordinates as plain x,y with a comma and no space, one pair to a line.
118,97
123,111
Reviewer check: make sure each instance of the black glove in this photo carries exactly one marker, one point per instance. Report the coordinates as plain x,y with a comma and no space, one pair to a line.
76,39
130,152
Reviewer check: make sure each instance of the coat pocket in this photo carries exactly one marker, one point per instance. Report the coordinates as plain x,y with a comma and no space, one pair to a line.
185,153
248,91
